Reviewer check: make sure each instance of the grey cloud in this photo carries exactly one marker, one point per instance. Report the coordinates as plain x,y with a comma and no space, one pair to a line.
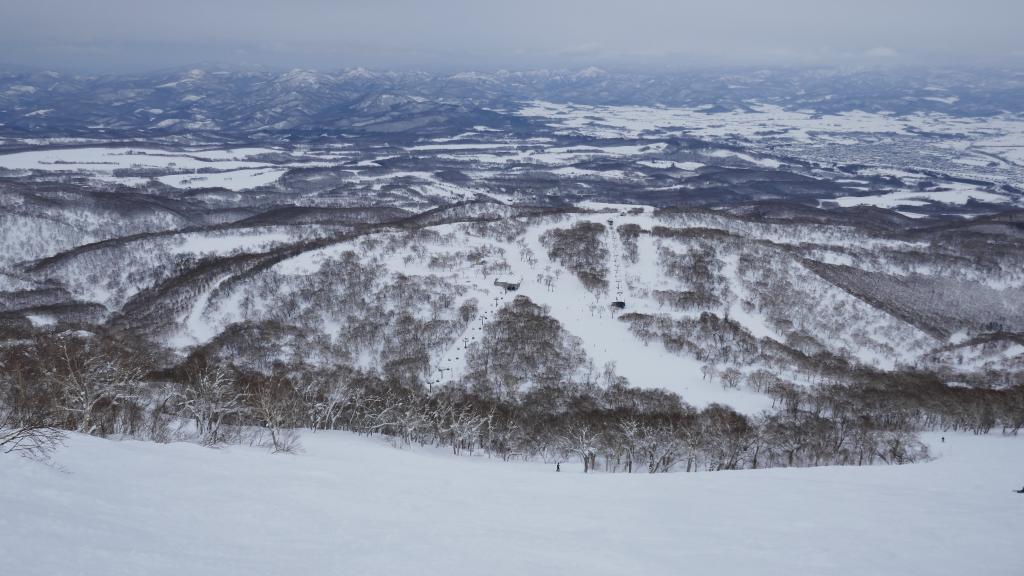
143,34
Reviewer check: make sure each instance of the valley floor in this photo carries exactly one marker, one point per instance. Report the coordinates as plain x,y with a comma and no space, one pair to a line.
355,505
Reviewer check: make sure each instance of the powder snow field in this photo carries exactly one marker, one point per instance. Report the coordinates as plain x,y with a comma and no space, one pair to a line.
356,505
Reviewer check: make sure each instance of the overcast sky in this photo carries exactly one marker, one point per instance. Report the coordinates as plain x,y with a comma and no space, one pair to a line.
117,35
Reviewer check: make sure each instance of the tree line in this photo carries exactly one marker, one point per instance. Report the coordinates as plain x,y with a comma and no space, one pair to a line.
102,386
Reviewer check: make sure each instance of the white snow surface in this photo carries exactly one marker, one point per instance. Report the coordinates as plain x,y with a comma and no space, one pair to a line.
897,199
235,180
106,160
355,505
199,243
231,168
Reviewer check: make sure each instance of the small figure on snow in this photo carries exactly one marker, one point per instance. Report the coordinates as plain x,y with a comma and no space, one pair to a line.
943,439
558,466
1021,491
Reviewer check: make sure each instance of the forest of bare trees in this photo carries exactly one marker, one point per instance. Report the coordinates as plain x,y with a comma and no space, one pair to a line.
580,250
106,387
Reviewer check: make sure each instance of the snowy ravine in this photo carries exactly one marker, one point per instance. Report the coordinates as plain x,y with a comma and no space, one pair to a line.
355,505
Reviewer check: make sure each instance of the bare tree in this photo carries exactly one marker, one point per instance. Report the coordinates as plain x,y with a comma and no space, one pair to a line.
272,406
582,440
96,388
211,400
629,434
35,441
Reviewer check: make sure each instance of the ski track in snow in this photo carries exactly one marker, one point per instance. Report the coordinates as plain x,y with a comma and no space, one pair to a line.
605,338
196,329
451,364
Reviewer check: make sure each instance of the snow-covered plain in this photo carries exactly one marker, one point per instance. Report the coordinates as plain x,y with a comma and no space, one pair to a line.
355,505
235,168
106,160
976,147
986,150
768,121
234,180
896,199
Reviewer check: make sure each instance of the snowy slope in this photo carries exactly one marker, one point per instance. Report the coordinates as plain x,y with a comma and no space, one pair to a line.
589,316
607,339
352,505
840,319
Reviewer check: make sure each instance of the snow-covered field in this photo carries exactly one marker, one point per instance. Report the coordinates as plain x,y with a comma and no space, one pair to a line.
235,168
977,147
764,137
767,120
235,180
897,199
355,505
106,160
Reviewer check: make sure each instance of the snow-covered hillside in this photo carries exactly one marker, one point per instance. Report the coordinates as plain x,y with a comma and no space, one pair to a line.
352,505
703,294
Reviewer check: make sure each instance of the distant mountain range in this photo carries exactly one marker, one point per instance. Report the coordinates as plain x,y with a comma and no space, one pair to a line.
303,105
